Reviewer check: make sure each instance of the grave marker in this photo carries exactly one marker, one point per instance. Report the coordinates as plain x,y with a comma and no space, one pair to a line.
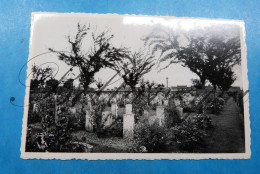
160,115
146,113
35,108
180,111
128,122
88,122
114,109
166,102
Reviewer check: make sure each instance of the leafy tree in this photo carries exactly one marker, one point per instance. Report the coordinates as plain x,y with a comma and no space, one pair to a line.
197,83
205,52
133,67
40,76
52,84
99,53
68,84
223,54
222,78
193,57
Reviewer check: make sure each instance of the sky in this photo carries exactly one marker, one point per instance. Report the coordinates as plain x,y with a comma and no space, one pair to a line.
51,31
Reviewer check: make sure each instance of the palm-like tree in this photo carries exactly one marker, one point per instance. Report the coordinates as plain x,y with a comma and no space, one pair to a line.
204,52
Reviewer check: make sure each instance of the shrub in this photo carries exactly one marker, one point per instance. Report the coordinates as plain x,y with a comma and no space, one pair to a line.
172,116
190,133
114,130
33,117
187,109
153,138
216,105
51,139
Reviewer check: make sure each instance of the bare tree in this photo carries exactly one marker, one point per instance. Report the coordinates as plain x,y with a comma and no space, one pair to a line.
133,67
97,53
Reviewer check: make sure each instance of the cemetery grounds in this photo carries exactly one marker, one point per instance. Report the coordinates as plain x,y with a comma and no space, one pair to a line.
156,121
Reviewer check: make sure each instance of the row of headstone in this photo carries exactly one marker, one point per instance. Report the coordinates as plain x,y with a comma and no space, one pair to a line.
128,117
106,120
158,117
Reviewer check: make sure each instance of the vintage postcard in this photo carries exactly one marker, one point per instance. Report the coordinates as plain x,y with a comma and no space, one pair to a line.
108,86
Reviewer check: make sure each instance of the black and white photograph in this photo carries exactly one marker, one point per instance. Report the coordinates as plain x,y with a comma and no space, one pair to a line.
108,86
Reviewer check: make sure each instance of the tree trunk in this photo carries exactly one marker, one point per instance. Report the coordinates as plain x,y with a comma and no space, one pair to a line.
203,82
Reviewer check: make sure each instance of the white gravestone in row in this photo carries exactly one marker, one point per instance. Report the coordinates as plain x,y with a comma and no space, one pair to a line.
72,111
114,109
180,111
177,102
166,102
160,115
160,99
88,122
35,107
152,119
128,122
128,109
107,119
146,113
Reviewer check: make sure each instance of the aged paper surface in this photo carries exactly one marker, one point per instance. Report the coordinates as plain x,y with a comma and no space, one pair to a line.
108,86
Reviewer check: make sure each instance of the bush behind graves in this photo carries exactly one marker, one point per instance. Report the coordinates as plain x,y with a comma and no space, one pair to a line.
190,133
172,116
152,137
185,136
114,130
215,105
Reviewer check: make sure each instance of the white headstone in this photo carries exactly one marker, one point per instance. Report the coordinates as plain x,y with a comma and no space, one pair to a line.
146,113
160,99
160,115
128,108
114,109
128,126
180,111
177,102
128,122
72,111
166,102
152,119
88,122
35,107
